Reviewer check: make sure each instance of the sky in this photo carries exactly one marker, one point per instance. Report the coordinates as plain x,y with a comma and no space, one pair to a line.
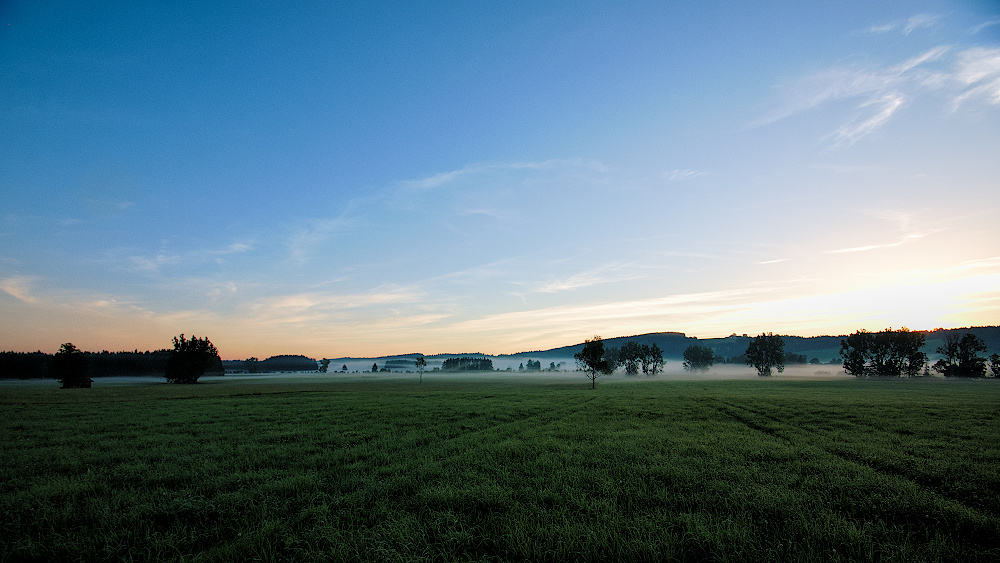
373,178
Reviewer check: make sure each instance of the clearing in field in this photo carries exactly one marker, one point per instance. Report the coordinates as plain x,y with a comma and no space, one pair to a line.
493,470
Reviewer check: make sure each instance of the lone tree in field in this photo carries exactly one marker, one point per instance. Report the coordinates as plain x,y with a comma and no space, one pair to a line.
190,359
765,352
698,358
961,356
69,366
592,361
995,365
324,365
421,365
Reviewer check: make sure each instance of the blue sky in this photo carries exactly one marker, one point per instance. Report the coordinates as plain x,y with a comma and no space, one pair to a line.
368,178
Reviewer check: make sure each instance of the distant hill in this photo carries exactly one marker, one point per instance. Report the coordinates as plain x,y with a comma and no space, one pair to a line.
825,348
673,345
288,363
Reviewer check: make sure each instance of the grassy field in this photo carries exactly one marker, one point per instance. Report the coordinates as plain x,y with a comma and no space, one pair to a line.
495,470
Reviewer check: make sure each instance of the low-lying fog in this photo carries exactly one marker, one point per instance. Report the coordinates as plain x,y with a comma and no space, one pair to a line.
674,370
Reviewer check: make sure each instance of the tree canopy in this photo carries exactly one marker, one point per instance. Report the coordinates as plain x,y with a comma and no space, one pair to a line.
698,358
961,356
630,356
592,361
886,353
651,359
69,366
190,359
766,352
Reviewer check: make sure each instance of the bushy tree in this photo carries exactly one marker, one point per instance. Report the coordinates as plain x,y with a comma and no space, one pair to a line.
995,365
324,365
630,356
766,352
961,356
592,361
251,364
652,359
70,367
190,359
698,358
885,353
855,349
612,355
375,367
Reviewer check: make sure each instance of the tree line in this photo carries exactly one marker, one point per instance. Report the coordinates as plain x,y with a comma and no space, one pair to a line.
897,353
38,365
73,368
596,361
893,353
467,364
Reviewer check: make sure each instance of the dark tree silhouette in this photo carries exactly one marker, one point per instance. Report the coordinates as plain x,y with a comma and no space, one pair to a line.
592,361
766,352
470,364
421,366
324,365
190,359
375,367
961,356
629,356
252,365
995,365
69,366
652,359
698,358
885,353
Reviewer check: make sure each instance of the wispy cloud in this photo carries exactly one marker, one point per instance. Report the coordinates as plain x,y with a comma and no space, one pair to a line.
903,221
983,26
960,76
907,26
18,287
977,73
154,264
905,240
868,121
444,178
682,174
297,307
451,203
610,273
919,21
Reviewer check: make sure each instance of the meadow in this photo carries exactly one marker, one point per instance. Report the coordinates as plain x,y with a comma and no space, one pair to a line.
494,469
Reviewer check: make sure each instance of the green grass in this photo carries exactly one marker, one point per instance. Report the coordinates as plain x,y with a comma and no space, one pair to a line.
495,470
